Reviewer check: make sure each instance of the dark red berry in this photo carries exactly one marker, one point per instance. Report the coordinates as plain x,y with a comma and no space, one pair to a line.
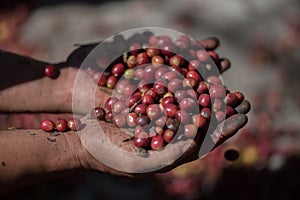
183,42
183,117
98,113
131,119
217,91
151,52
118,70
183,71
109,117
110,102
74,124
240,96
170,109
131,62
172,123
202,55
159,72
168,48
167,100
174,85
163,39
229,111
176,60
139,73
205,112
61,125
142,58
214,55
149,73
151,93
218,105
189,83
231,99
156,131
190,130
143,85
170,75
188,104
157,142
153,39
220,116
47,125
161,121
194,65
141,140
176,69
200,121
125,111
140,109
168,135
160,87
202,88
204,100
147,99
214,80
132,100
142,120
51,72
99,78
121,84
157,61
195,75
111,82
118,106
135,48
180,95
192,93
129,90
153,111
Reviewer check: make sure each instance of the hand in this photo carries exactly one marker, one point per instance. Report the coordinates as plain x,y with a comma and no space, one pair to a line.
100,137
56,96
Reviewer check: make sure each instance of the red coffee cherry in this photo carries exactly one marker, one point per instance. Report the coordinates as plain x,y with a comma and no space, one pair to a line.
74,124
61,125
47,125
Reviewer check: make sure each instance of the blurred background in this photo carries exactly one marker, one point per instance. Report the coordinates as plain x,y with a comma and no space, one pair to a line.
262,40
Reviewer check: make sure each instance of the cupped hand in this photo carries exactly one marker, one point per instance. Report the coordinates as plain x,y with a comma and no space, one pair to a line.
109,148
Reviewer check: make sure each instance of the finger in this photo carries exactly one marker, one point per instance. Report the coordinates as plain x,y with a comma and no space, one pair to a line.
224,64
230,128
210,43
244,107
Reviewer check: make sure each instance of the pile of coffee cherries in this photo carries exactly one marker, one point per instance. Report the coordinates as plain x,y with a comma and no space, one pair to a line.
163,90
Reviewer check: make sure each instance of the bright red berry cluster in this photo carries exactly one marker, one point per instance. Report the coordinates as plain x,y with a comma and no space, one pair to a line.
162,94
60,125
